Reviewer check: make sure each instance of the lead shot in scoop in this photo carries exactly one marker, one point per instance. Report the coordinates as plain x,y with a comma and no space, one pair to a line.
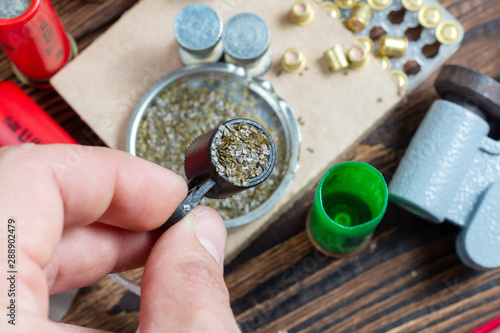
235,156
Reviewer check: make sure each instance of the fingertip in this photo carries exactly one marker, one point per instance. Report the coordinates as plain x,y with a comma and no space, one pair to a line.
153,190
183,285
170,180
211,232
204,226
168,177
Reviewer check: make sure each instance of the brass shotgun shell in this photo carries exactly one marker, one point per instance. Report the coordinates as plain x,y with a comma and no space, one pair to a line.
336,58
358,57
384,61
400,77
379,4
302,12
293,60
412,5
429,17
360,16
393,46
346,4
366,42
332,8
447,33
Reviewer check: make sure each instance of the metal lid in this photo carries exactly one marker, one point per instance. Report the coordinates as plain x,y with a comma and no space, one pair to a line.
197,28
246,37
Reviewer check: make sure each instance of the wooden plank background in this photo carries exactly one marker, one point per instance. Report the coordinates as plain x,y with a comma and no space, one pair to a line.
409,279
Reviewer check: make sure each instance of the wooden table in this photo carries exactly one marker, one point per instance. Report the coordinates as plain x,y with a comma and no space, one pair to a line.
409,279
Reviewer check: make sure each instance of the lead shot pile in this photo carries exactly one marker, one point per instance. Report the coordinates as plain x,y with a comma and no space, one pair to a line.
241,152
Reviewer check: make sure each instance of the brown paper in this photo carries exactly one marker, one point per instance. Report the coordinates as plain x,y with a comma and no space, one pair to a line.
106,81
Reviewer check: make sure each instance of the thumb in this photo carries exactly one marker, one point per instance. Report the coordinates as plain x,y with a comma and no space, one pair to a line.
183,289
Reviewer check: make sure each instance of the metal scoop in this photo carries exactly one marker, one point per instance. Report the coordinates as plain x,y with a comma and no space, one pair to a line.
218,163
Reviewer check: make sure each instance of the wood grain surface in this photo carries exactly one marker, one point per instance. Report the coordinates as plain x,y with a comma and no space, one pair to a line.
408,280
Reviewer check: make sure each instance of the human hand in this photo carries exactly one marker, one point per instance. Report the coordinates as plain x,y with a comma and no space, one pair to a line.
80,213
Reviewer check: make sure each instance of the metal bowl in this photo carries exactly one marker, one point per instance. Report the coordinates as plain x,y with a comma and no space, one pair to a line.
271,110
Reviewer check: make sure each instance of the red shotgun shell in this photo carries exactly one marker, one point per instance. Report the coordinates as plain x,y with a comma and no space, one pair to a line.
36,42
22,120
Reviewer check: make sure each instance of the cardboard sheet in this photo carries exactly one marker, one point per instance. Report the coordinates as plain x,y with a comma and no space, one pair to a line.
105,82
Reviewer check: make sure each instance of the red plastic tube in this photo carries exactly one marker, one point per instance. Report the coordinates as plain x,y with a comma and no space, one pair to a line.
490,326
22,120
36,41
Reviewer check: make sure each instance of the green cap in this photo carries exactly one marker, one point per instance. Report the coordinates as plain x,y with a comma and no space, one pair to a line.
350,201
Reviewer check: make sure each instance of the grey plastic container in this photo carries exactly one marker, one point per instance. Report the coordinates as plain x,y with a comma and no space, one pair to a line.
451,171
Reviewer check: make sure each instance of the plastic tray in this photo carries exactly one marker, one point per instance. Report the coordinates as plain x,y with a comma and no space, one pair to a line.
414,52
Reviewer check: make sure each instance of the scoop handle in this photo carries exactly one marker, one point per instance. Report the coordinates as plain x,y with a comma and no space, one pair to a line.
194,197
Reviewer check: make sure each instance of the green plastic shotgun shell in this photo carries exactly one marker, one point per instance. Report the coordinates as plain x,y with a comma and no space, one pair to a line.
350,201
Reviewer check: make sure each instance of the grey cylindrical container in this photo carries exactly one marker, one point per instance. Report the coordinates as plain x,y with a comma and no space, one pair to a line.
437,160
198,30
246,40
